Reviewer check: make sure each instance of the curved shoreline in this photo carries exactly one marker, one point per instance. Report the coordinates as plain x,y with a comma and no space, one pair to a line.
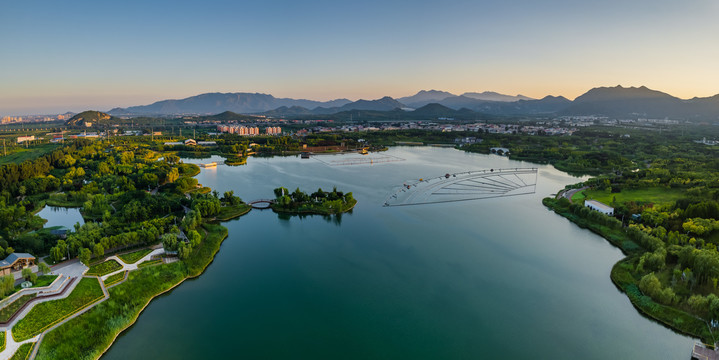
613,275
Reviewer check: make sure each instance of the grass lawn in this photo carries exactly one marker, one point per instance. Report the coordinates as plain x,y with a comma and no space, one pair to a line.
22,154
47,314
104,268
3,341
9,310
656,195
149,263
114,279
88,335
23,352
133,257
44,280
231,212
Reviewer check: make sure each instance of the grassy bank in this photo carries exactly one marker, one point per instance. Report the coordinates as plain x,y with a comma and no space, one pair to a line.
231,212
627,281
205,252
88,336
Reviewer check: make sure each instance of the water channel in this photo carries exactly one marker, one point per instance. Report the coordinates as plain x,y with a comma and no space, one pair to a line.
493,278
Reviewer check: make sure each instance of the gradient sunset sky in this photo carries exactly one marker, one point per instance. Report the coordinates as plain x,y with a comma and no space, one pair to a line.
58,56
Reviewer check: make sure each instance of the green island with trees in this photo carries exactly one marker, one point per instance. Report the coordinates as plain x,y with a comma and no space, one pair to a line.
319,202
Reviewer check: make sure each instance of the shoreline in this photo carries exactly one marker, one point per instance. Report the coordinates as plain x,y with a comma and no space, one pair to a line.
189,276
639,301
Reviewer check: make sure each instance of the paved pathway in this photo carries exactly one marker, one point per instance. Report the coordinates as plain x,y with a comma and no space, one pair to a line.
69,269
39,337
12,346
129,267
569,193
66,271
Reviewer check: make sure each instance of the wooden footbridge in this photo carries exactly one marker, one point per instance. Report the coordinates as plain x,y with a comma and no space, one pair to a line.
261,204
464,186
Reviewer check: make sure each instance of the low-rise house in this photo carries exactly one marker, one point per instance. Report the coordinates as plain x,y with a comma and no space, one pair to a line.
598,206
16,262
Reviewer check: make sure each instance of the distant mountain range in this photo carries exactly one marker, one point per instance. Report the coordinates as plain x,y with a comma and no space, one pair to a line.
213,103
617,102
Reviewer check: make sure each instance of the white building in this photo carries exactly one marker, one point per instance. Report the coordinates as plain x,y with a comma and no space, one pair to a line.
21,139
602,208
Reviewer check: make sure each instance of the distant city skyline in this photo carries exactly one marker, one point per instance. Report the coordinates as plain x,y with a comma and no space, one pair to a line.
60,56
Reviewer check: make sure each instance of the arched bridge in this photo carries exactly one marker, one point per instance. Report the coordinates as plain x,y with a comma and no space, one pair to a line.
261,203
470,185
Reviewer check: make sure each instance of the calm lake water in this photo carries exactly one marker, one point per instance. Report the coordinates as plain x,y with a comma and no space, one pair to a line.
495,278
60,216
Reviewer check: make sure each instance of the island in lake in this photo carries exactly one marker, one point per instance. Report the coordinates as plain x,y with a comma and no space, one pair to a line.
319,202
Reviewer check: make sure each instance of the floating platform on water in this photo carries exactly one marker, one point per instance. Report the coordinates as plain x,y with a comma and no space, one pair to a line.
209,165
701,352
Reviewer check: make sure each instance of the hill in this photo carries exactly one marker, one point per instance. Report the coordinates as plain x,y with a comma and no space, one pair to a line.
89,117
384,104
495,96
229,115
213,103
425,97
619,101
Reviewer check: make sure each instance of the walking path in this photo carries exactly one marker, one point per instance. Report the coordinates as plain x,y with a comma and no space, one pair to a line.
129,267
63,288
42,335
569,193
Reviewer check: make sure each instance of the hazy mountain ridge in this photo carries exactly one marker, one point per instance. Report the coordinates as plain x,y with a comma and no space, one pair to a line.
618,101
495,96
213,103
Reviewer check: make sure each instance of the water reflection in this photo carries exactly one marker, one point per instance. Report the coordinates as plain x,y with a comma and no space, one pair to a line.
61,216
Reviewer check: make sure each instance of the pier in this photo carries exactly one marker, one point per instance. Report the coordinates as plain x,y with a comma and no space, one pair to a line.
701,352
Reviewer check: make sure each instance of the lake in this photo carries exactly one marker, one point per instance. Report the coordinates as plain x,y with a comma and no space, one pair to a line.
61,216
492,278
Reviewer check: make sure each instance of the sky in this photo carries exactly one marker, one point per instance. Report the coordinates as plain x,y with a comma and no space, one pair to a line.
58,56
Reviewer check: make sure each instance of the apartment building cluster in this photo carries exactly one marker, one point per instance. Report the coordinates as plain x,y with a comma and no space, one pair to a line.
248,130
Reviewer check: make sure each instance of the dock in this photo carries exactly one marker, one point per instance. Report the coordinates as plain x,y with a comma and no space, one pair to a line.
701,352
209,165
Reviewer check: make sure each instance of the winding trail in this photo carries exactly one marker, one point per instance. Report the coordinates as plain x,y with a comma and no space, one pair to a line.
67,271
130,267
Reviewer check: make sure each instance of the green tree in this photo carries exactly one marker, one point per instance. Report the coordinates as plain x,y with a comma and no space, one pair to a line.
194,237
7,284
169,242
98,250
29,275
43,268
173,175
85,255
